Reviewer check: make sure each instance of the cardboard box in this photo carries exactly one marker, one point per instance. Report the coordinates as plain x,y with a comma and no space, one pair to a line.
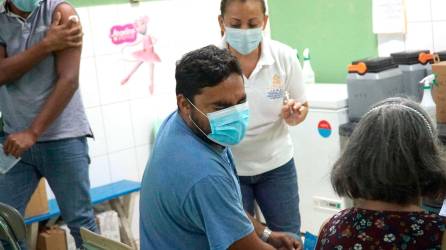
439,90
52,239
38,204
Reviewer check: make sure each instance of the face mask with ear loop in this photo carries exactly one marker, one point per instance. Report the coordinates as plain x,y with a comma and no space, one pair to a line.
228,126
244,41
26,5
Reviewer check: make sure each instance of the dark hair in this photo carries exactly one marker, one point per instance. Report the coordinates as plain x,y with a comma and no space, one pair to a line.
205,67
393,156
225,3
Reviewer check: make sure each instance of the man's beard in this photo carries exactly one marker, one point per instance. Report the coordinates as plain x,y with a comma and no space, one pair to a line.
197,131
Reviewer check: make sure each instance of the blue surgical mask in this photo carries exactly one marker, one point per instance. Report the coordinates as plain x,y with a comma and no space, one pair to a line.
228,126
26,5
244,41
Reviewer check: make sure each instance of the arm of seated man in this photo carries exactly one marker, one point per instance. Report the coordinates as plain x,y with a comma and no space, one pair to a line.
214,207
279,240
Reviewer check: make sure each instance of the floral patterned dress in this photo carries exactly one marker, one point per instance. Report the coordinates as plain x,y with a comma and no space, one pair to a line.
359,229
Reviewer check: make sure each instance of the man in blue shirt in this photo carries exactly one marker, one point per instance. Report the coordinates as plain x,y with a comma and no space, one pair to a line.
190,197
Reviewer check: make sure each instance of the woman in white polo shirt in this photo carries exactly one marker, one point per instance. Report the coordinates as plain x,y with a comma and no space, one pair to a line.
276,98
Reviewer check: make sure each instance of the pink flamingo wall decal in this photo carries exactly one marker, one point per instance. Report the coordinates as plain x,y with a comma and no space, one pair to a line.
146,55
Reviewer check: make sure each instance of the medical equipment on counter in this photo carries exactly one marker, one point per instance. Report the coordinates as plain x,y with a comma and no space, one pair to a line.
370,81
413,65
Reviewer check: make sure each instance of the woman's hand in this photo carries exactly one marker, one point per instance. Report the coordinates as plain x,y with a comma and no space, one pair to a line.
294,112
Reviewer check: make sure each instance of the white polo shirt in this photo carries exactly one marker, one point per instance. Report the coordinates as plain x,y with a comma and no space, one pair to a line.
267,144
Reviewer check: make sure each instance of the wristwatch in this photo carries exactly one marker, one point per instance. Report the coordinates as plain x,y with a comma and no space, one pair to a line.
265,235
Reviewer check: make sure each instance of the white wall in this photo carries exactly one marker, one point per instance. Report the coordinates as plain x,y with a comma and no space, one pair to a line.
426,28
121,116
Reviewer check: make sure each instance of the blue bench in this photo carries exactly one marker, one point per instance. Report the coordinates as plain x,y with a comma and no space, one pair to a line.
98,195
109,192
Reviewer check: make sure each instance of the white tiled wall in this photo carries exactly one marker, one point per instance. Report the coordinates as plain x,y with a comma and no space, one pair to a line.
121,116
98,146
426,28
89,83
100,168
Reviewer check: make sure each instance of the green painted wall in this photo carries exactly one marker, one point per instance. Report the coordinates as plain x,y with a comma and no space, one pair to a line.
336,31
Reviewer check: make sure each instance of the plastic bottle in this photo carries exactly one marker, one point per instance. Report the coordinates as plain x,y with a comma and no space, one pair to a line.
427,103
307,70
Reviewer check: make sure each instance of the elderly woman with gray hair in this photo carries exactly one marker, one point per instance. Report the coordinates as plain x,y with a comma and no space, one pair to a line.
391,162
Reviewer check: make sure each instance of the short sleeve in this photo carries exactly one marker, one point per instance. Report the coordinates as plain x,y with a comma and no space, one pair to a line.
215,207
294,78
52,4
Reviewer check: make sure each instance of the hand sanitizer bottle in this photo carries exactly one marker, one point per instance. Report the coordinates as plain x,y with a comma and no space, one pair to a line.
427,103
307,71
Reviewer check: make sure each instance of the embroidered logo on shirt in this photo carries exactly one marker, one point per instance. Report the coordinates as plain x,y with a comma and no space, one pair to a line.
277,81
275,94
276,90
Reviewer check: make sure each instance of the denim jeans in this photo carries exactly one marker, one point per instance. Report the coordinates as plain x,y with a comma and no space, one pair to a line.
277,194
65,165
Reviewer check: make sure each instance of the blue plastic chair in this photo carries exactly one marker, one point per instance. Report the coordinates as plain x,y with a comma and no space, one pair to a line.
310,241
